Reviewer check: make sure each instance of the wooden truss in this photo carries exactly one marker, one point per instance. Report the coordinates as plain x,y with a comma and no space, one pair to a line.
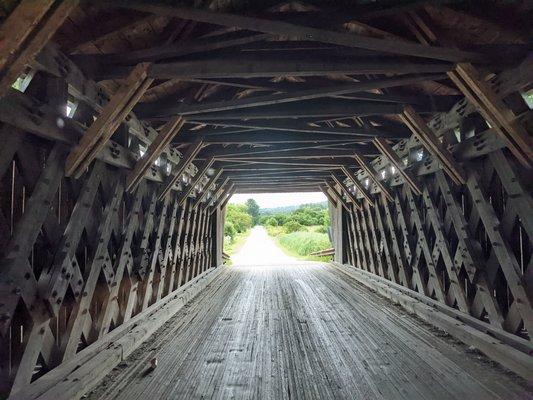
117,208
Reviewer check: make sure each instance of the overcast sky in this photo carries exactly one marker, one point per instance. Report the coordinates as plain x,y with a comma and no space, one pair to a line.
269,200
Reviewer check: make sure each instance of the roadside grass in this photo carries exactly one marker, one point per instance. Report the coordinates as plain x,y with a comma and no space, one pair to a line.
233,246
301,244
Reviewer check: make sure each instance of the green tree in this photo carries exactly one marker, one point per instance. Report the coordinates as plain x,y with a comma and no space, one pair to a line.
271,221
253,209
281,218
237,215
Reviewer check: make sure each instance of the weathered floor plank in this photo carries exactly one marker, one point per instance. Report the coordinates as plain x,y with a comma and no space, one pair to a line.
302,332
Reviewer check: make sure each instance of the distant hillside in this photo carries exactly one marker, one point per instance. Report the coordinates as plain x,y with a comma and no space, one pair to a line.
289,209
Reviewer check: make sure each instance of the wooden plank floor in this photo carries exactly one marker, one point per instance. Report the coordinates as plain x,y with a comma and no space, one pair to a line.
302,332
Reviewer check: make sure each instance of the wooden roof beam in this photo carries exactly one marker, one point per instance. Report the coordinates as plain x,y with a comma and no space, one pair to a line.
278,173
253,67
345,132
153,110
296,178
314,150
309,189
314,109
231,39
266,138
294,154
315,34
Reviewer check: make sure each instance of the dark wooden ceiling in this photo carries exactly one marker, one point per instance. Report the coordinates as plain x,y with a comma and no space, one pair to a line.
304,80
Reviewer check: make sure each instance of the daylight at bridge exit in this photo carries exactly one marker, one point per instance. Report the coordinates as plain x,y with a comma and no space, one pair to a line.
268,199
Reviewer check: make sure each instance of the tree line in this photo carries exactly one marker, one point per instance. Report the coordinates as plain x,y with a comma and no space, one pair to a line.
241,217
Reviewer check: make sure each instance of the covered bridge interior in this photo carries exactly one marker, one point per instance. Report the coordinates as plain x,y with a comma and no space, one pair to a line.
125,128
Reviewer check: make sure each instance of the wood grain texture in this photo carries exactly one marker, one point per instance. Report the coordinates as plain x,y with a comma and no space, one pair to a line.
301,331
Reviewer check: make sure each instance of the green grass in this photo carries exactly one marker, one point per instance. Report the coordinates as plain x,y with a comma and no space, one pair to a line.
302,243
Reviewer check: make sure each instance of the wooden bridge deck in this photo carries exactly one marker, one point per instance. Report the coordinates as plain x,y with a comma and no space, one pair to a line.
302,332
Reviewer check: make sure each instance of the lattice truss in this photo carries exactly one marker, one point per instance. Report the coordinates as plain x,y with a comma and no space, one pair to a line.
468,246
103,214
84,256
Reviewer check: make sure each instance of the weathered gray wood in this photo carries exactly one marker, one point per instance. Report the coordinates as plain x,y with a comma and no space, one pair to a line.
79,314
289,349
75,377
508,350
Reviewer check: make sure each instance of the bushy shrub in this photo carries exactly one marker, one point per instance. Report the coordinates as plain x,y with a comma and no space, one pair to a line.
229,230
293,226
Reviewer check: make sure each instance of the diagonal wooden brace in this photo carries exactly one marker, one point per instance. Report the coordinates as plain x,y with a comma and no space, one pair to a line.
207,186
345,189
372,175
357,184
428,139
494,110
162,140
24,34
337,195
113,114
388,152
188,157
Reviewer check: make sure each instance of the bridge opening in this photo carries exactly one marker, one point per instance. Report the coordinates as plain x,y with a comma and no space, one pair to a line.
129,130
267,228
